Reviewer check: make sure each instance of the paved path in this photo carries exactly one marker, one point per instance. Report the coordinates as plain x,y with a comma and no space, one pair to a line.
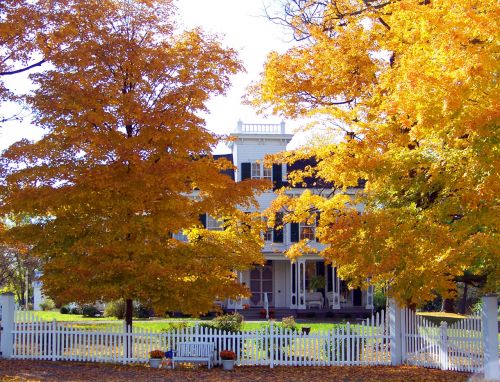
46,371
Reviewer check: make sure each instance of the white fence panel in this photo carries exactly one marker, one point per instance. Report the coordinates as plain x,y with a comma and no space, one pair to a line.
361,344
458,347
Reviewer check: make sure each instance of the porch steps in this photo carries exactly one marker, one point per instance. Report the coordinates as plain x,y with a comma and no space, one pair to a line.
254,314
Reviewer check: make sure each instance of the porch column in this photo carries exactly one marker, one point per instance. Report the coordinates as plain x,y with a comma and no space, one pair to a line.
298,284
293,284
369,296
335,289
301,278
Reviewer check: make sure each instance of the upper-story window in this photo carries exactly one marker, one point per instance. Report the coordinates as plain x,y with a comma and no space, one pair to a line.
307,231
267,173
256,173
268,233
256,170
214,224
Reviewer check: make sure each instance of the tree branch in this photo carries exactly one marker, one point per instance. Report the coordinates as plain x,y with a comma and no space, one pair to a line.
8,73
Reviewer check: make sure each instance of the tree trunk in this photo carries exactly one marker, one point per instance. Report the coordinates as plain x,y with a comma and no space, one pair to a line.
463,301
129,307
448,305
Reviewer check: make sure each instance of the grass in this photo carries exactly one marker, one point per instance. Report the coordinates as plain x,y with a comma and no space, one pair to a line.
437,317
161,324
53,314
158,326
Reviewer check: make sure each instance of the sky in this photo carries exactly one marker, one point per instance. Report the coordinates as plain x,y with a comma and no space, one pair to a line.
242,25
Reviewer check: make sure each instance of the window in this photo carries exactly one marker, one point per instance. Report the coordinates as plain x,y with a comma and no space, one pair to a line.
267,173
214,224
268,233
307,231
255,170
180,236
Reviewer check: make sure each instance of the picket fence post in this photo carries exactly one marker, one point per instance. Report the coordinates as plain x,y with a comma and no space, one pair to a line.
396,335
489,324
271,344
7,336
443,345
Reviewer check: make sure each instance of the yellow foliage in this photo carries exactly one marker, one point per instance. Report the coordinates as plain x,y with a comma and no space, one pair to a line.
410,90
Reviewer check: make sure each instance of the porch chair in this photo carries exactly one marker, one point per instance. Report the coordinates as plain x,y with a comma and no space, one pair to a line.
314,299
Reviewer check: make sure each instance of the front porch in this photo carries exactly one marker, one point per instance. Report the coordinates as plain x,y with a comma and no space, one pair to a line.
308,284
323,314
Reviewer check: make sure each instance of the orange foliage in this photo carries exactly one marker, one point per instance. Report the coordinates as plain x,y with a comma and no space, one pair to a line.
125,162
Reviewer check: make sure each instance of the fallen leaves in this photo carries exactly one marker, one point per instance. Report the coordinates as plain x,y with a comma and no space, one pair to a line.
46,371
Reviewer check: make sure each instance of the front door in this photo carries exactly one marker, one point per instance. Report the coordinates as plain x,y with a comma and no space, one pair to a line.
356,297
261,281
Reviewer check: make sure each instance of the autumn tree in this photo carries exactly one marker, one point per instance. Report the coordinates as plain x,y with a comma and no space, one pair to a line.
126,164
406,95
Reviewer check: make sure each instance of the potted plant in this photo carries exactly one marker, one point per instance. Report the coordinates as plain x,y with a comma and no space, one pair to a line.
228,358
155,358
263,313
316,282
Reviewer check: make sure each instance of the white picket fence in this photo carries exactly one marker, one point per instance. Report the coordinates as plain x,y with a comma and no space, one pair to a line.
366,343
400,337
457,347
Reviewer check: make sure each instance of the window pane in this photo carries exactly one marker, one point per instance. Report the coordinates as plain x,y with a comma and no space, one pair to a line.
255,170
268,173
213,224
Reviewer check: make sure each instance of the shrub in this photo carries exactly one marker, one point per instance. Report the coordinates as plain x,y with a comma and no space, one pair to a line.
90,311
115,309
289,323
47,304
142,311
64,309
172,326
379,299
228,322
75,310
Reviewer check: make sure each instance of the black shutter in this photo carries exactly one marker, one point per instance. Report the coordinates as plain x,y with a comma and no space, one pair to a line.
294,232
203,220
277,176
278,232
246,170
318,217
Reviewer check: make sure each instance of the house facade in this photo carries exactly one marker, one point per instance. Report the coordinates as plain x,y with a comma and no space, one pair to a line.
280,282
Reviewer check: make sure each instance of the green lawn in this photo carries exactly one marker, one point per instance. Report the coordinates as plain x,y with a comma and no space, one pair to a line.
53,314
158,326
437,317
162,324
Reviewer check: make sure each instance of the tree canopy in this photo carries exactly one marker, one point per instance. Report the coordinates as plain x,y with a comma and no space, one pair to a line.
125,162
406,94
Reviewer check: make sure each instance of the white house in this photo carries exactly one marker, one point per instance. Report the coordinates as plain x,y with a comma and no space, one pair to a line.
285,283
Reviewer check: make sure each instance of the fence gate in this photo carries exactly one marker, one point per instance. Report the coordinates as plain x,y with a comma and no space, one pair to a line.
456,347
